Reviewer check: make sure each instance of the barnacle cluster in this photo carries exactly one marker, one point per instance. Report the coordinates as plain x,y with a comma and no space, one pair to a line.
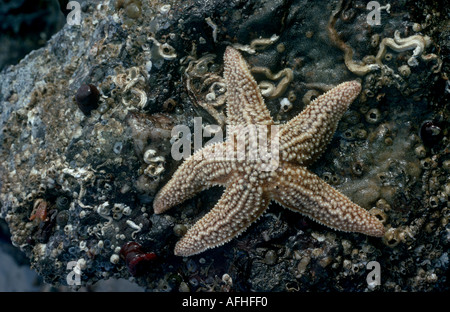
206,87
150,140
355,67
79,199
418,43
131,84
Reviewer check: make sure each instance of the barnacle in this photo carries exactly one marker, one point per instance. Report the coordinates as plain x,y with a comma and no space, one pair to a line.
404,70
379,213
420,151
169,105
285,105
141,95
118,211
394,236
373,116
270,257
164,50
309,96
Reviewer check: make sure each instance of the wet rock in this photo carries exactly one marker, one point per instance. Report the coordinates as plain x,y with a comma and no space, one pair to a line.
155,66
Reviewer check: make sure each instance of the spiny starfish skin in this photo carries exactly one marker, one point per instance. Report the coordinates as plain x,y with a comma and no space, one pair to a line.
248,187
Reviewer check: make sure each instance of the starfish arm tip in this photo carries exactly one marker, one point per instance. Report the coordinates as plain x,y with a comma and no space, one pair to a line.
354,86
378,230
181,251
158,205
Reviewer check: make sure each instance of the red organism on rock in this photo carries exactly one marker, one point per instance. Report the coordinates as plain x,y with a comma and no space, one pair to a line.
136,258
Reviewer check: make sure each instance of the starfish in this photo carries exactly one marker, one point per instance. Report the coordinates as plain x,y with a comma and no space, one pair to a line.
251,184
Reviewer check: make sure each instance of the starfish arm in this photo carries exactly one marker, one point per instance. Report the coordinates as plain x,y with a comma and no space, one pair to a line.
202,170
245,104
238,207
302,191
305,137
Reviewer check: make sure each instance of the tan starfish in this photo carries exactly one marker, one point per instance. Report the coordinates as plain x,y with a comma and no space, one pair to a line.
249,185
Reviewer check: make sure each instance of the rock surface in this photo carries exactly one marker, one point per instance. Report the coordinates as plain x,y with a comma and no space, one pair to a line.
76,186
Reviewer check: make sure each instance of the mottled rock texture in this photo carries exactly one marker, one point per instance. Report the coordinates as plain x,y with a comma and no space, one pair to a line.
87,181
